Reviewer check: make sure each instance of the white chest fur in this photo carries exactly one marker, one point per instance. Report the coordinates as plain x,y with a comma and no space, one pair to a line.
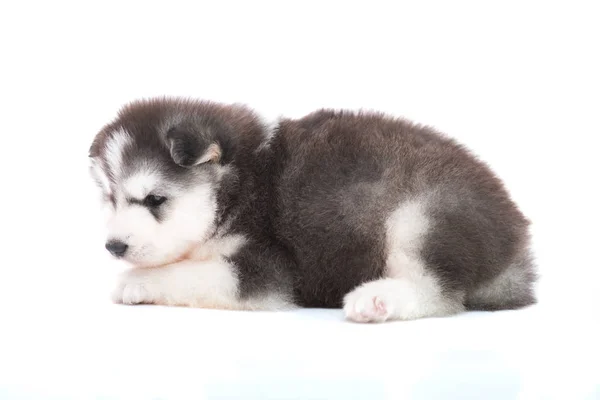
217,248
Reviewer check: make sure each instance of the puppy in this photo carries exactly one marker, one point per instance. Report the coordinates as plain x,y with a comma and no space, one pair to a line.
384,218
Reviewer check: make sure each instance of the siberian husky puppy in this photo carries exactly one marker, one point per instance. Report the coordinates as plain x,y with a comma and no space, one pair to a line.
387,219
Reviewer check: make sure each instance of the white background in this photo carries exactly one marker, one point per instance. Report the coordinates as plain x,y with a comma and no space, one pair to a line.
517,82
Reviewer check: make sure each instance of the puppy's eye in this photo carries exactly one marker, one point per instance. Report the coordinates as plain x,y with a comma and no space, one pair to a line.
153,201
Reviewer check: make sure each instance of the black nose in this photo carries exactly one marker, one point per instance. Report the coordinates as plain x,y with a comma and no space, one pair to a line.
116,247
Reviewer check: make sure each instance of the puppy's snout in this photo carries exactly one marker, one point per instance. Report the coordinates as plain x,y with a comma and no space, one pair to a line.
116,248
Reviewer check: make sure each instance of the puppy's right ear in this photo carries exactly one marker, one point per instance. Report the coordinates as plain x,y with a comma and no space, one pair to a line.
188,149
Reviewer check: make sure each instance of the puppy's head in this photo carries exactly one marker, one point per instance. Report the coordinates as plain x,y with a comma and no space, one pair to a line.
158,166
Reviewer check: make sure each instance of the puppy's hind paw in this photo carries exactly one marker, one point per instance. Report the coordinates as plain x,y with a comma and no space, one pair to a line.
361,305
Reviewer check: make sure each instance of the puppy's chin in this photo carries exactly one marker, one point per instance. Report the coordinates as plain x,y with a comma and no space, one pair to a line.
185,252
140,264
163,262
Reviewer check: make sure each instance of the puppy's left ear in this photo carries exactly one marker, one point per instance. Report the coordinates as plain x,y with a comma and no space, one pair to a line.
189,149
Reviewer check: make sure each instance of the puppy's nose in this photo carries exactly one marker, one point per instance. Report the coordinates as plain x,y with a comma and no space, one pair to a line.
116,247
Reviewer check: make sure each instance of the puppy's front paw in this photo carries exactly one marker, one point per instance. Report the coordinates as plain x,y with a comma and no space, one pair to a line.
131,291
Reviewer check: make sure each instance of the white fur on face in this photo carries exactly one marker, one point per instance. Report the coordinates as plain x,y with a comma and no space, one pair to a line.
100,177
187,218
141,184
114,151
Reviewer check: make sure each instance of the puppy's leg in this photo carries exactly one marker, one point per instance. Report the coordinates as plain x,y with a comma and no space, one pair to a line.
389,299
188,283
408,289
408,292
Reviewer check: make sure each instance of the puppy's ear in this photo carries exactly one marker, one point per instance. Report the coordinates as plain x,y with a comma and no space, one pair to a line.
189,149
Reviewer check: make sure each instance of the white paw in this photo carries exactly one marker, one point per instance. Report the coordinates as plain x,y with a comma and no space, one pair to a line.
366,305
131,292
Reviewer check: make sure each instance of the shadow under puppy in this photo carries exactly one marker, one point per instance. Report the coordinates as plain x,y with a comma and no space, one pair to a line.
384,218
